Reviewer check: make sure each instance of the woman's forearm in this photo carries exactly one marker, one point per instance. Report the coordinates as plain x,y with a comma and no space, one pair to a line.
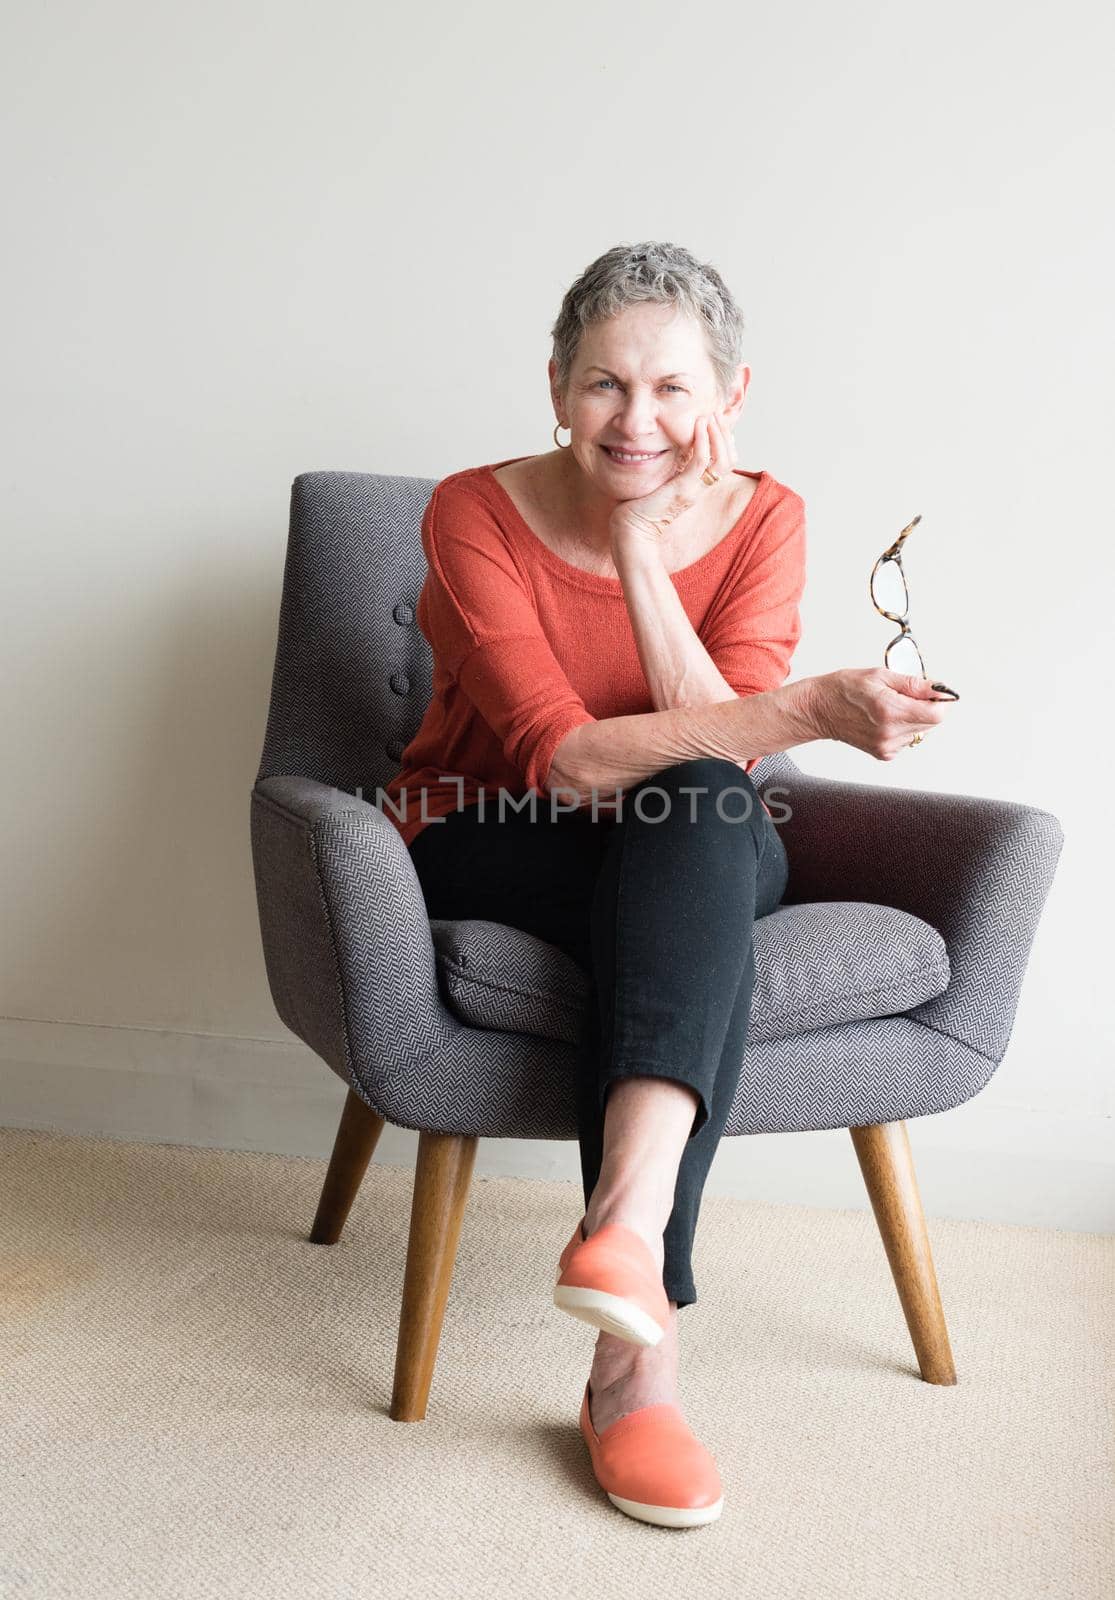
678,669
601,757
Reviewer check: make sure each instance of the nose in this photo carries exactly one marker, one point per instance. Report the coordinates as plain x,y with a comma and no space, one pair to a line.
636,421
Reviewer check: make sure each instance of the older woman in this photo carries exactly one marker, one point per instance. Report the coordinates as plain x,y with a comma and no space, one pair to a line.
612,624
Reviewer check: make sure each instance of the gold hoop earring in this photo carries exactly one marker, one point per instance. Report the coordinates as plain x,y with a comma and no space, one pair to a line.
557,441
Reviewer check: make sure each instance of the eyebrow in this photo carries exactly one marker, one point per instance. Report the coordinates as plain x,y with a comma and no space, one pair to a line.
662,379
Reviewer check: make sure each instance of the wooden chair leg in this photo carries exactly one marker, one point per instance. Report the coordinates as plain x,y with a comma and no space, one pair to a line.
888,1171
441,1182
357,1136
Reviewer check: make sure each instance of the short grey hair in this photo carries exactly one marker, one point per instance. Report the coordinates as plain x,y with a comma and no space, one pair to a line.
665,274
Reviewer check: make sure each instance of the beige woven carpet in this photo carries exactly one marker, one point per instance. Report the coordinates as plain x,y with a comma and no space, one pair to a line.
194,1399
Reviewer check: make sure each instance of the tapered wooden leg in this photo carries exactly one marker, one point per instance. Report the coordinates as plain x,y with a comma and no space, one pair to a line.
441,1182
357,1137
888,1171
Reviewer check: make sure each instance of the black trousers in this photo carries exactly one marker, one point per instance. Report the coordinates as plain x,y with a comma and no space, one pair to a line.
656,902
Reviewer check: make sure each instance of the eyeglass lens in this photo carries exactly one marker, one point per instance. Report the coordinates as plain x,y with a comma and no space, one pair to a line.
889,591
903,656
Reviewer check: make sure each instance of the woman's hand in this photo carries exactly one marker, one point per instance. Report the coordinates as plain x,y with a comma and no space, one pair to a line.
645,520
875,709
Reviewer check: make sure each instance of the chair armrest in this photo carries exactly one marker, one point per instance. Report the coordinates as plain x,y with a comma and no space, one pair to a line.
977,870
346,937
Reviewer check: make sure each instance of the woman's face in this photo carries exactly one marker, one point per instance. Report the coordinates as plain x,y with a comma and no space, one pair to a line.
639,382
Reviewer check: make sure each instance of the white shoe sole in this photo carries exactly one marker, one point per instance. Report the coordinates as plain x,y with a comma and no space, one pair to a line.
608,1312
669,1516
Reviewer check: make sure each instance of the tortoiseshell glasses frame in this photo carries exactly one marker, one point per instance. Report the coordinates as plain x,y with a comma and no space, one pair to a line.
886,576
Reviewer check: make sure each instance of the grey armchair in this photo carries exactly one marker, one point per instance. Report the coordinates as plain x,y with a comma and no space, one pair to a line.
886,983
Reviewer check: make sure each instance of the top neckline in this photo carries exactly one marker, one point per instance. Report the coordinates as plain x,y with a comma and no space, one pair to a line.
599,580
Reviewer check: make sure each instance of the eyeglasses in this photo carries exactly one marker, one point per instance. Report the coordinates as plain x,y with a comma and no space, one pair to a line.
891,598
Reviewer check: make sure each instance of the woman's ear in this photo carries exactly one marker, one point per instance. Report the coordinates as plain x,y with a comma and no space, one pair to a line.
738,394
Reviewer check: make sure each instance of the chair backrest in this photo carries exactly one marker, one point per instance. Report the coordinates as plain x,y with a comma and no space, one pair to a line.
353,673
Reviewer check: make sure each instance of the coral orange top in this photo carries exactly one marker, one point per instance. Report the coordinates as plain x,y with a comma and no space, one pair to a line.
527,646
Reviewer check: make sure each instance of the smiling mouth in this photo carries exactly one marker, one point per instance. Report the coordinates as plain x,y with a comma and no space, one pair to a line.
631,457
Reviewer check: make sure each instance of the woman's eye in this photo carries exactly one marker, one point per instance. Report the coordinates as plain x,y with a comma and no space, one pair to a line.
677,386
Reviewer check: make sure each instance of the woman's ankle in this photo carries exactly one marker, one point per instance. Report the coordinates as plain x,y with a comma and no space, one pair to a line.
617,1364
639,1220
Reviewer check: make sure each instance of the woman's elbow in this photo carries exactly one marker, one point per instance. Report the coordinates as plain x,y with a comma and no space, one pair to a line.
567,772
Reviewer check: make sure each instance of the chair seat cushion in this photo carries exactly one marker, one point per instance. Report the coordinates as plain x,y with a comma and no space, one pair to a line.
816,964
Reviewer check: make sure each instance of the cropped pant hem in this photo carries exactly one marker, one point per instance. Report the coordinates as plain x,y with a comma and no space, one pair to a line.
631,1068
682,1294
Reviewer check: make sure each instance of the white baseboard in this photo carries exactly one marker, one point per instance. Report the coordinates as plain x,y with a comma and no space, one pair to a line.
984,1160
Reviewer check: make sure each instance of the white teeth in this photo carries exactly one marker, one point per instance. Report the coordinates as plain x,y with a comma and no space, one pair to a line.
622,455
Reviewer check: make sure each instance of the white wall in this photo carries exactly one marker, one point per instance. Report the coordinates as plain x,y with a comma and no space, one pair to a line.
250,241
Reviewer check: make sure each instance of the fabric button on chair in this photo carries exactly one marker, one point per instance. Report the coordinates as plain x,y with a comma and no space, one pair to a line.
886,982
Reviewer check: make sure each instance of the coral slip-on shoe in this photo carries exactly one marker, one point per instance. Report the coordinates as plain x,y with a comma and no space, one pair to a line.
611,1280
653,1467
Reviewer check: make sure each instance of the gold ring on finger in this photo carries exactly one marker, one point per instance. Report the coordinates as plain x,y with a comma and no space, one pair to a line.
710,477
916,739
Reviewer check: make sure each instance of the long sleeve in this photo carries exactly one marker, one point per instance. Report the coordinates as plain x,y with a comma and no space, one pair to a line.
480,620
752,635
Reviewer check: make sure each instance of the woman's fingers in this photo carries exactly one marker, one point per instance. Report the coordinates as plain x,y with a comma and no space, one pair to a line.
908,683
924,720
713,447
915,701
705,448
722,461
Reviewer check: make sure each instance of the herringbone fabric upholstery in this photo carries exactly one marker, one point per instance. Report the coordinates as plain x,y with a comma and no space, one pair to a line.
815,966
350,955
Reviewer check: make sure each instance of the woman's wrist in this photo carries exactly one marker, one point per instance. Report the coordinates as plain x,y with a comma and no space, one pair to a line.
634,542
803,703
